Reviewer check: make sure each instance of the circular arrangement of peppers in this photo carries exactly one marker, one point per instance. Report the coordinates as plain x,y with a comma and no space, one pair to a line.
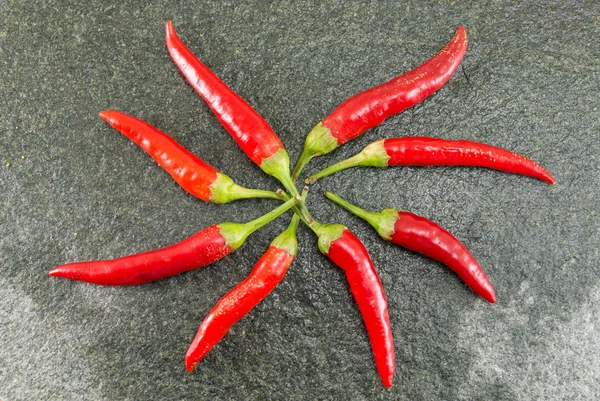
258,140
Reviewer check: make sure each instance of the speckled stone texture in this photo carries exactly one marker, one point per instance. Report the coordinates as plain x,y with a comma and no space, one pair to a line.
74,189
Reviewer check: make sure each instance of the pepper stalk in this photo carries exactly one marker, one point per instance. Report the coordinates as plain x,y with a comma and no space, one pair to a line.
373,155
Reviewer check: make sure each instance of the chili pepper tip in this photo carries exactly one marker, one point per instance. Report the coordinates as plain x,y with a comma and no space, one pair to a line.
549,178
106,115
189,365
488,294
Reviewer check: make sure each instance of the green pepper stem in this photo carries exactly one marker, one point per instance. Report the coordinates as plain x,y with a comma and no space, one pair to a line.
304,214
289,185
287,239
316,227
255,224
370,217
246,193
353,161
305,157
293,227
373,155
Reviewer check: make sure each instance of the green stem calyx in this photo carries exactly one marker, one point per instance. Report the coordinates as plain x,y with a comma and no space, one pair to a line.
373,155
278,166
287,239
224,190
383,221
235,234
319,141
327,234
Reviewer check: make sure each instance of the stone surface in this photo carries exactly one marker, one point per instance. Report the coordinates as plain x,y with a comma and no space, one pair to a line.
72,188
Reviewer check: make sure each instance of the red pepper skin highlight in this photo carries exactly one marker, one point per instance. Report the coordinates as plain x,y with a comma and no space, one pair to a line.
262,280
347,252
422,151
201,249
425,151
190,172
421,235
371,107
251,131
193,174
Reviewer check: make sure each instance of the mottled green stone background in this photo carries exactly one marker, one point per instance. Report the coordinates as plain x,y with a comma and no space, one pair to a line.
72,188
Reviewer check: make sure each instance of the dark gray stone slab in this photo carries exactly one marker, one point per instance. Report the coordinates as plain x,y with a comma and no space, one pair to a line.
72,188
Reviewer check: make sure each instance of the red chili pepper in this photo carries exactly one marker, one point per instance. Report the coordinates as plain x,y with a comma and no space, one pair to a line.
369,108
267,273
251,131
422,151
201,249
347,252
420,235
194,175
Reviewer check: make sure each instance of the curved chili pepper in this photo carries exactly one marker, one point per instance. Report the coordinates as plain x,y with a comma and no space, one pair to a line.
267,273
250,130
192,174
420,235
369,108
346,251
201,249
423,151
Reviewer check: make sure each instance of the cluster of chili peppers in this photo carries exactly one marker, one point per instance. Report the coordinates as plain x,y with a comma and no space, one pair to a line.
258,140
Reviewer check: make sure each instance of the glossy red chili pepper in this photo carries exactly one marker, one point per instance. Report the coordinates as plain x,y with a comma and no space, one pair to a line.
422,151
420,235
369,108
201,249
194,175
251,131
346,251
267,273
